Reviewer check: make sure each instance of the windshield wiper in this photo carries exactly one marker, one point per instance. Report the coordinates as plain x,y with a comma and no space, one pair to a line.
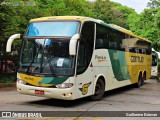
49,62
32,61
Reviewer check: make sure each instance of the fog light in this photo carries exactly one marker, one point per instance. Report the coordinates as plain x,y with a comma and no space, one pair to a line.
68,94
21,81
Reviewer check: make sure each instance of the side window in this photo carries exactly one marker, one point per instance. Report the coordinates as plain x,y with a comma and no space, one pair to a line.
143,51
132,50
149,49
81,55
102,37
86,44
108,38
137,50
140,50
116,40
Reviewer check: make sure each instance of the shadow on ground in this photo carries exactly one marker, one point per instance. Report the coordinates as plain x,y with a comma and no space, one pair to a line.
78,102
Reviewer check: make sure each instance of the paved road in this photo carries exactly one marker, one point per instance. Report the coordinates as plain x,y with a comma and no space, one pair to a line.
146,98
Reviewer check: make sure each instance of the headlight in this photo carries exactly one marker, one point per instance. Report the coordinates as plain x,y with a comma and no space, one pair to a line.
21,81
64,85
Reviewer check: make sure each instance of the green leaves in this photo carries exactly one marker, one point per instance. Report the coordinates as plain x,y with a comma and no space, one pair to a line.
147,25
14,17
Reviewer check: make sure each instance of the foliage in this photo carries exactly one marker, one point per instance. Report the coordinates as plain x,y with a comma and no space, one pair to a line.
14,17
102,10
147,24
121,14
8,78
153,4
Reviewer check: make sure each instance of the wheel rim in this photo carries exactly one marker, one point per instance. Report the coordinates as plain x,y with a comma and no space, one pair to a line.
98,89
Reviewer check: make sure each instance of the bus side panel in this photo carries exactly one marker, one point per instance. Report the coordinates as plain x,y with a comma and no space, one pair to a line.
119,65
111,65
138,63
120,68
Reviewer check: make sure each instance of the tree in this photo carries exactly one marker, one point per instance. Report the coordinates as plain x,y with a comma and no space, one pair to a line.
157,18
147,24
133,22
153,4
102,10
120,14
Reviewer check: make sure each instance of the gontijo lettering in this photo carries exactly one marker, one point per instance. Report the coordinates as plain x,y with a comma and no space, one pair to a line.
137,59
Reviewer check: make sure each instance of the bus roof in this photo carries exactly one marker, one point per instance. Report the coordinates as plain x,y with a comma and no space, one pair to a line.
52,18
127,32
82,18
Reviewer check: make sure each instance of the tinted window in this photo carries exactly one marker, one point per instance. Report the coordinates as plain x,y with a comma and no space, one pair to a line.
85,46
108,38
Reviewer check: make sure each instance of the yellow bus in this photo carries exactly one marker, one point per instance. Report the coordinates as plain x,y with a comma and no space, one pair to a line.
70,57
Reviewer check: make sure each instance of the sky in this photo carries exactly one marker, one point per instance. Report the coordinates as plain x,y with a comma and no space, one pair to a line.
138,5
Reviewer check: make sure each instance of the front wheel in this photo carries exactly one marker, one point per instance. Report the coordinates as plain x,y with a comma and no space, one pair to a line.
99,90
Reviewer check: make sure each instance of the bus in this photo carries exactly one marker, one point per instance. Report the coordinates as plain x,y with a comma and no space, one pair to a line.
154,70
71,57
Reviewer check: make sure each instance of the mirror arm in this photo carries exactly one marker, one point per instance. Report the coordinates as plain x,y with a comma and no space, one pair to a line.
10,40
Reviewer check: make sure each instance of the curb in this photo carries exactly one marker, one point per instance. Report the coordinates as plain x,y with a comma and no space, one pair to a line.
4,85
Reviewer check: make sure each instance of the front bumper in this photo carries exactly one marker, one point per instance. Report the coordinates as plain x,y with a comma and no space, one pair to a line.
57,93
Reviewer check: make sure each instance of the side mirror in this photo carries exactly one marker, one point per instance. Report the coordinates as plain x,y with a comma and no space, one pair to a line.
73,44
10,40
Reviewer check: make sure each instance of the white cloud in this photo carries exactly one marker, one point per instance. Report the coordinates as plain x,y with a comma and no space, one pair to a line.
138,5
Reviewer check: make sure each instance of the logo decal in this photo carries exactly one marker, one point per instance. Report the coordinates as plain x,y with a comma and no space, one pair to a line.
84,88
29,78
100,58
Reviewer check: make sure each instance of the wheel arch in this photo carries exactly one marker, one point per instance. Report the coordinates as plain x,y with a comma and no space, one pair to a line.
96,79
140,73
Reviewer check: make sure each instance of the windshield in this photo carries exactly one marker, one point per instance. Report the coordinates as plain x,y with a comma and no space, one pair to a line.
46,56
56,28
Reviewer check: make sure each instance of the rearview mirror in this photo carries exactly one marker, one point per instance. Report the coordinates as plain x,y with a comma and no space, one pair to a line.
73,44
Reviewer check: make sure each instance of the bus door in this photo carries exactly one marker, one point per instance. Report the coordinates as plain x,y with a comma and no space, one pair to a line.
85,69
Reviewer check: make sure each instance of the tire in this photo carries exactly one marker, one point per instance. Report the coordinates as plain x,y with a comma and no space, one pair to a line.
144,78
99,90
140,81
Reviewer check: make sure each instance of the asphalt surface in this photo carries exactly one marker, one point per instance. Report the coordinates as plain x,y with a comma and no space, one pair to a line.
145,98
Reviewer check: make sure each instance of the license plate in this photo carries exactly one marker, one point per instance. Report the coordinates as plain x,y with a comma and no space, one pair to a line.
39,92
